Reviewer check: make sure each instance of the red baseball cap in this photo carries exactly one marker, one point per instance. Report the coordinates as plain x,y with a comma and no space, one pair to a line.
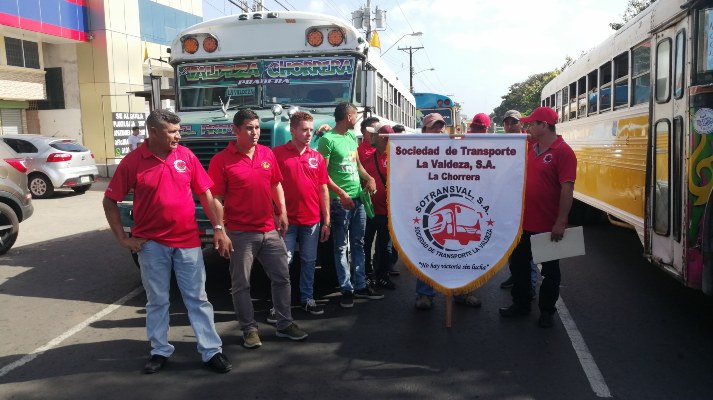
542,114
380,128
481,119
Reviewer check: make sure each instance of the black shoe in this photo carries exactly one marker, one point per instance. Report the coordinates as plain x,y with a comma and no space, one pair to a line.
546,320
386,283
368,293
371,281
347,300
515,310
155,364
508,283
219,363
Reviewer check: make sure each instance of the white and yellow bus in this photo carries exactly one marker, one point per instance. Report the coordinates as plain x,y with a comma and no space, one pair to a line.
638,111
275,63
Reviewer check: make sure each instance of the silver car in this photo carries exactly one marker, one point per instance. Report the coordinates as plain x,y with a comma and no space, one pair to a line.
54,162
15,200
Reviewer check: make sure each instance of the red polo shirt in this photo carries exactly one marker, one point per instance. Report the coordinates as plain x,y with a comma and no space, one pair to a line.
303,175
164,210
379,198
246,185
545,174
365,150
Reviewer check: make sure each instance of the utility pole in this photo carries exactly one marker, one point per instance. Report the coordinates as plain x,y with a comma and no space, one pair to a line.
410,50
362,19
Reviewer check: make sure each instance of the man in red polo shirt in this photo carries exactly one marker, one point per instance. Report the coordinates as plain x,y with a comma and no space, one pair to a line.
163,176
480,123
247,183
307,197
551,171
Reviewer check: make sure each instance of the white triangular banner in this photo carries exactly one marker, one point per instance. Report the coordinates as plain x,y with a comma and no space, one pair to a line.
455,205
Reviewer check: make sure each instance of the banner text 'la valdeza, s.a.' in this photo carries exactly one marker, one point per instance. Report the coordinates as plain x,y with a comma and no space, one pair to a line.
455,205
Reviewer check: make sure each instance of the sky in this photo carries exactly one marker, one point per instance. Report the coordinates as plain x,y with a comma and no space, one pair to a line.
477,48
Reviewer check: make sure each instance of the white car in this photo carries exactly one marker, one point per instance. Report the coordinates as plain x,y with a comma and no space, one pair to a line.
54,162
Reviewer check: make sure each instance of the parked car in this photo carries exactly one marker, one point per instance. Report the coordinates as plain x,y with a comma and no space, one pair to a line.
15,199
54,163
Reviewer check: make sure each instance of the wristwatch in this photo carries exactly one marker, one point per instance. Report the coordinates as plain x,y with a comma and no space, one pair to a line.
218,227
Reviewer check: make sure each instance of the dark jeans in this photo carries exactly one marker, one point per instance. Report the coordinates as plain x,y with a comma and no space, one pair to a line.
520,263
384,256
369,235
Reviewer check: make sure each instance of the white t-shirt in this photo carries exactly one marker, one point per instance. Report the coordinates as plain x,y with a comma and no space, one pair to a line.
135,141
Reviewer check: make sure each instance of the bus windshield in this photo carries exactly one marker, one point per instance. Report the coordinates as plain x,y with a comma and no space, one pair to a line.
308,81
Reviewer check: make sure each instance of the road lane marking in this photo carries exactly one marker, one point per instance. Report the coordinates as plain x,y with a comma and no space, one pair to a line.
596,380
66,335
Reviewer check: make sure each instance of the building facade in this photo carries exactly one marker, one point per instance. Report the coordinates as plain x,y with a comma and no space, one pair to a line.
81,68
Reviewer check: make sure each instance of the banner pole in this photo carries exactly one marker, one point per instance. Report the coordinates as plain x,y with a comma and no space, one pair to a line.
449,310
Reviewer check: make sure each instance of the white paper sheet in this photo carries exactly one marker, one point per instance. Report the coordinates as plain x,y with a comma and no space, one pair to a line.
571,245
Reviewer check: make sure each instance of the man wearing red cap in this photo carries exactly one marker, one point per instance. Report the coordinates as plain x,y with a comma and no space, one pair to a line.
551,171
480,123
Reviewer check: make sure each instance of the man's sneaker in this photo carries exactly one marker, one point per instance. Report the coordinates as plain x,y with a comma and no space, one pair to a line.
423,302
292,332
312,307
508,283
219,363
371,281
251,340
514,310
468,300
347,300
156,363
271,316
368,293
386,283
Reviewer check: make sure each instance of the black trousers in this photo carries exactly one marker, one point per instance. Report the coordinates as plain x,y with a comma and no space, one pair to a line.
520,267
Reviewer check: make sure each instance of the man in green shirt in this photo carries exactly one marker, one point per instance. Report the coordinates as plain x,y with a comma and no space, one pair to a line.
339,148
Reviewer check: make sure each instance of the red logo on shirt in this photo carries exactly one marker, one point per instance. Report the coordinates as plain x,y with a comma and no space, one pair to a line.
265,165
180,165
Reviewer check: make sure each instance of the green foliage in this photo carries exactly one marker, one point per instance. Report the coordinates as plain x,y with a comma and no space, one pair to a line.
633,8
523,96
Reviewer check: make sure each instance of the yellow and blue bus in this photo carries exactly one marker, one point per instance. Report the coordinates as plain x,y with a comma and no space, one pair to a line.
427,103
645,154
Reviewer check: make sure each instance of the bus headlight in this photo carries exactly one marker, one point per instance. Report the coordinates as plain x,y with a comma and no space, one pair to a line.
315,37
189,44
276,110
335,37
210,44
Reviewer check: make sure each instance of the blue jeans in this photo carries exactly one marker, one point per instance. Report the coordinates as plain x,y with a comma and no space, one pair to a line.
308,237
424,289
156,263
352,223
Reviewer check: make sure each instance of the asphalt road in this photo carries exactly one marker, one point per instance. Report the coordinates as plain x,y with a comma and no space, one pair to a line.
641,334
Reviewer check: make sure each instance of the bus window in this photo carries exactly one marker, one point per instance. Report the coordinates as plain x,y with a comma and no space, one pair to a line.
605,88
573,100
621,80
640,73
565,104
678,61
704,53
582,97
663,71
661,177
592,90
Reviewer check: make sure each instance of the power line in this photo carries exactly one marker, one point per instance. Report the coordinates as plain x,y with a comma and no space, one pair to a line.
283,6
